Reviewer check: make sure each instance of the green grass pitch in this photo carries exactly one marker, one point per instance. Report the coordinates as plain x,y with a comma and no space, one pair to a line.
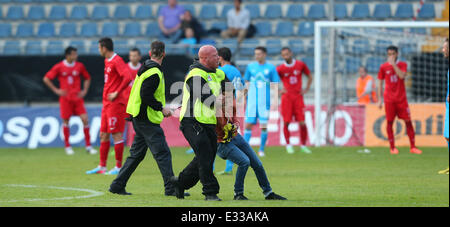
331,176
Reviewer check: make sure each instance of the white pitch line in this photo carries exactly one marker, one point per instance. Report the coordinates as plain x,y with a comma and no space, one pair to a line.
92,193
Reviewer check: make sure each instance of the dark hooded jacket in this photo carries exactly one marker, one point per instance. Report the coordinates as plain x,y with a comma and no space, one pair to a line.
148,90
206,93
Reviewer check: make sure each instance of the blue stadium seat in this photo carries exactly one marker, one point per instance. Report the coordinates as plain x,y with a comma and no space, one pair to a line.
219,25
360,11
254,10
316,11
295,11
297,46
381,45
33,48
68,30
152,30
100,12
273,11
5,30
15,13
110,29
25,30
93,48
310,48
285,28
79,13
230,43
340,11
121,47
46,30
208,11
143,45
132,29
361,46
273,47
306,29
427,11
407,48
373,64
12,48
382,11
143,12
309,61
79,44
190,8
421,31
122,12
36,13
263,29
89,30
225,10
404,11
396,30
352,64
57,13
248,47
54,48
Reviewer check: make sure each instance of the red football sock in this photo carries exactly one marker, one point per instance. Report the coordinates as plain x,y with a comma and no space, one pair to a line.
287,134
303,134
66,132
118,148
87,136
390,133
411,133
104,150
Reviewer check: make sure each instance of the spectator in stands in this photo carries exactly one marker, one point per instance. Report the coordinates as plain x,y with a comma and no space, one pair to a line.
365,87
189,41
238,21
188,21
169,20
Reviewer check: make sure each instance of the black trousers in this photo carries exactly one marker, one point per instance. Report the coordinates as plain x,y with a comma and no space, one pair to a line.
147,136
203,140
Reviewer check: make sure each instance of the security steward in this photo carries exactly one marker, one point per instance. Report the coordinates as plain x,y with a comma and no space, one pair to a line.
146,105
198,121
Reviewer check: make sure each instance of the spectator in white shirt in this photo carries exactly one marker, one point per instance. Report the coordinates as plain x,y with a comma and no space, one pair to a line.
238,21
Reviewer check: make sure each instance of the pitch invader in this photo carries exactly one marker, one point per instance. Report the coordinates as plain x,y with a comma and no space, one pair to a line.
117,79
258,77
393,73
292,105
69,73
134,66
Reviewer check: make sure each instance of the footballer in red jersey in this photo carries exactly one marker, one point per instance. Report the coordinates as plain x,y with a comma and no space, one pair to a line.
393,74
292,105
117,79
134,65
69,73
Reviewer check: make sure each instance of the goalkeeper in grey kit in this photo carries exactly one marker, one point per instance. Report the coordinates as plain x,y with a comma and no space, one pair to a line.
233,147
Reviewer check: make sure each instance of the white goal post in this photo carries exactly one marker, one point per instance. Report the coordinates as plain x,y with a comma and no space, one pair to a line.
318,52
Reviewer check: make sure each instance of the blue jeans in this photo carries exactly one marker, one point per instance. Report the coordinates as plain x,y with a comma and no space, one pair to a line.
240,152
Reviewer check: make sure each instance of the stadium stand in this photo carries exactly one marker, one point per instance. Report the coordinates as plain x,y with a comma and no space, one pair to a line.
57,23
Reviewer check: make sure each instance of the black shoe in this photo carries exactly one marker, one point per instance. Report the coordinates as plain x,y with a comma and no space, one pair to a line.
179,191
186,194
119,192
212,198
273,196
240,197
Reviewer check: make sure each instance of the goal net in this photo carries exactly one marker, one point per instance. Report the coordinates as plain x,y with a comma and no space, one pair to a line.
341,48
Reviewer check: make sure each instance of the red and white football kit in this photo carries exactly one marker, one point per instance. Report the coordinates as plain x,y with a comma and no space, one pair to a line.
292,104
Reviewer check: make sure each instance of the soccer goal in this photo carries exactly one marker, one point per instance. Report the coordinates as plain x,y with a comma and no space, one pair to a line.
341,48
